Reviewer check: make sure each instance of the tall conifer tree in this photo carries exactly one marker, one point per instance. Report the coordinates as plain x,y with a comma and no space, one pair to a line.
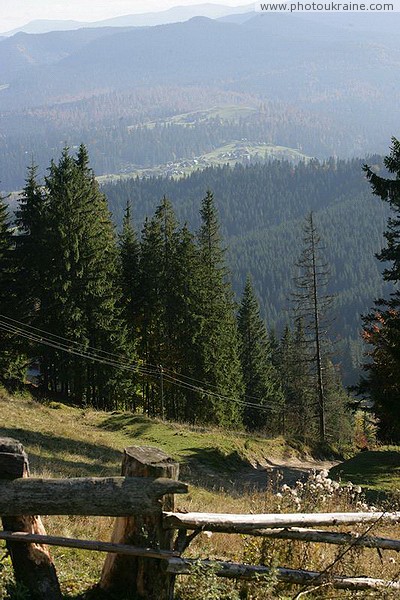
187,325
311,307
219,363
12,359
260,378
31,246
157,301
382,326
78,294
129,251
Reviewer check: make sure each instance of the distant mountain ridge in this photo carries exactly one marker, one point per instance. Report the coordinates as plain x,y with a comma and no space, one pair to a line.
172,15
336,69
324,84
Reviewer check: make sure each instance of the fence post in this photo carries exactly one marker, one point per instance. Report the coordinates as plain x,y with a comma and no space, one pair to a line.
142,578
32,563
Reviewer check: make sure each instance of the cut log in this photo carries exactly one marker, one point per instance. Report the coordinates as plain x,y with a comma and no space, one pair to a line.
97,496
230,523
180,566
32,563
142,578
52,540
328,537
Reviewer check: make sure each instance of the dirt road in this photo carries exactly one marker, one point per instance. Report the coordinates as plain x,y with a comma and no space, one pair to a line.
266,474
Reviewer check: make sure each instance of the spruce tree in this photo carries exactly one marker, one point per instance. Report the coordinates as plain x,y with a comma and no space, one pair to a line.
311,307
218,350
157,303
78,296
129,251
260,378
382,326
187,325
12,358
31,246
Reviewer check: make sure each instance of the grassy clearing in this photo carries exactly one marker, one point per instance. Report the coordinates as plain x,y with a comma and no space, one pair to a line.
235,152
226,113
64,441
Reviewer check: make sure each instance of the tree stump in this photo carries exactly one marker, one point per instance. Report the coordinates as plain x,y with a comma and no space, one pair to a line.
32,563
142,578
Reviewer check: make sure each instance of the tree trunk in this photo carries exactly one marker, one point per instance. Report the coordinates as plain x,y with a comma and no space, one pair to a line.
142,578
32,563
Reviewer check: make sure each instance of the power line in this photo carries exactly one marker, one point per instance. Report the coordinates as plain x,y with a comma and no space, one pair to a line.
149,369
69,341
64,348
135,367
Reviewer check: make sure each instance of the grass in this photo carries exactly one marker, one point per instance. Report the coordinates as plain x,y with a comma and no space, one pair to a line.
62,441
377,471
67,441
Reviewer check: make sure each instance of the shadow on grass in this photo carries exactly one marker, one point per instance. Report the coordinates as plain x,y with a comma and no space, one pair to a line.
121,421
367,467
376,471
103,460
212,469
94,593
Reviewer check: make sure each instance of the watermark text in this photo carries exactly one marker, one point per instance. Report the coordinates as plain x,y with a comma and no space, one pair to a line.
326,7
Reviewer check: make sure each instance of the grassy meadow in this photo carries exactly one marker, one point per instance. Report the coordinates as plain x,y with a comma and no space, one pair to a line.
63,441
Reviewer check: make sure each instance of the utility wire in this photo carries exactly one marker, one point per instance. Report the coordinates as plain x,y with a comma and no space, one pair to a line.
69,341
140,364
136,368
75,351
142,367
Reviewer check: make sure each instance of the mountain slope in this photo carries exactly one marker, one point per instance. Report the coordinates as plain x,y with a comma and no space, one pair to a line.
23,52
262,210
325,68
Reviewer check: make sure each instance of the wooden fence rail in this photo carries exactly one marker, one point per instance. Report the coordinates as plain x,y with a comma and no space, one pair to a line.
94,496
180,566
230,523
52,540
328,537
143,557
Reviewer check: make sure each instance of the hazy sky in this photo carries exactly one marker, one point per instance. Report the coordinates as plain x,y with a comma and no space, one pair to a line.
14,13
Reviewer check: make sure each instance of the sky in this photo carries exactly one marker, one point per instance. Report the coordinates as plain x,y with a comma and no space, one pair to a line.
14,13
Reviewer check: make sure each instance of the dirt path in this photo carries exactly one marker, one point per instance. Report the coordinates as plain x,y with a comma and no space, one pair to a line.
292,470
270,473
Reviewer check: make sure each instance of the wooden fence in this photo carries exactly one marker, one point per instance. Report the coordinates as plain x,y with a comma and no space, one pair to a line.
145,555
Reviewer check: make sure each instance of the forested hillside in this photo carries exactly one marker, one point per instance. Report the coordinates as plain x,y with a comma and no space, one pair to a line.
262,210
200,252
127,132
306,82
149,321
